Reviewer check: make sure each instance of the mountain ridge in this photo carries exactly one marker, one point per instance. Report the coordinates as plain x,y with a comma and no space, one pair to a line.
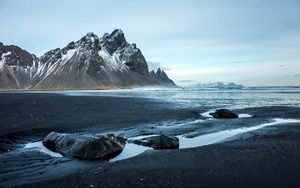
89,63
162,77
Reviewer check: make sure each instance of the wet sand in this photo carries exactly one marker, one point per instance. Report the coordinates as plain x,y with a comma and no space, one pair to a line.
269,158
31,116
266,157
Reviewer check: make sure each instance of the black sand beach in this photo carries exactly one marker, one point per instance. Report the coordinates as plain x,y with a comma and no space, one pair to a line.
263,158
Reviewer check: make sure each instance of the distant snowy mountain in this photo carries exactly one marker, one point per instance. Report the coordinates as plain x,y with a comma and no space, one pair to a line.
91,62
220,85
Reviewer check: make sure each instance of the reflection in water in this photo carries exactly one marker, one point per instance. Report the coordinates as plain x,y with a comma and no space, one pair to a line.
42,148
131,149
223,135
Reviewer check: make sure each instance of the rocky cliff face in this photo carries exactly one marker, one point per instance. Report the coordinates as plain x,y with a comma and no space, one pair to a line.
162,78
89,63
129,54
16,67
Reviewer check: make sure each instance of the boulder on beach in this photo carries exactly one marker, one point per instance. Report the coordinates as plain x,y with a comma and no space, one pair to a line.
159,142
224,113
85,146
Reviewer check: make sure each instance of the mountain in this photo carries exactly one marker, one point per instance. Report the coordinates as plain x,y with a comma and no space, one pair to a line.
220,85
89,63
16,67
162,78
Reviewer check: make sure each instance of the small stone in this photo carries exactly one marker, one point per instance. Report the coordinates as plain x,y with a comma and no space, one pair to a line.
141,179
223,113
159,142
91,186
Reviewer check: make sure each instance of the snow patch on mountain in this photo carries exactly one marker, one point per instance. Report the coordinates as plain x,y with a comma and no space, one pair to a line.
112,62
68,55
87,63
3,59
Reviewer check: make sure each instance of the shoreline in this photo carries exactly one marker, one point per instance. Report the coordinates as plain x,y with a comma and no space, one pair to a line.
275,150
89,89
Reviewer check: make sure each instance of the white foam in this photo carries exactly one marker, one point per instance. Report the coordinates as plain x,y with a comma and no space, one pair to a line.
42,148
212,138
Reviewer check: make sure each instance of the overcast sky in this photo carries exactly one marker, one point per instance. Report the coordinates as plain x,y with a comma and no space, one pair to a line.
252,42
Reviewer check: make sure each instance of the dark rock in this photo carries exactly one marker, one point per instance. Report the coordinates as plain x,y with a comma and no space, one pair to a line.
15,67
16,56
111,42
89,42
224,113
85,146
159,142
128,53
71,45
48,55
134,59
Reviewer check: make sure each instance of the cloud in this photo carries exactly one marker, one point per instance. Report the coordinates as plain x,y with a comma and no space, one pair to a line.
291,76
204,71
208,40
155,65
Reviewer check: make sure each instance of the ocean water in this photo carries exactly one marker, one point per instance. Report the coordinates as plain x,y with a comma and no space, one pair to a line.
214,98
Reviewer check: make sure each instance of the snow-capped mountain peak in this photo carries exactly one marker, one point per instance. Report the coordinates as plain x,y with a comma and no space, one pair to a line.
91,62
112,42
